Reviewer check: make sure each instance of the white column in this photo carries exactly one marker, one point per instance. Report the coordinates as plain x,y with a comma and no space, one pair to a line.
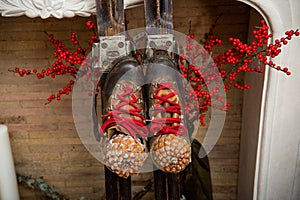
8,181
278,160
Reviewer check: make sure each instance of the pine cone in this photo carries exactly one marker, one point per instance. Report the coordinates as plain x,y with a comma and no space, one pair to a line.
171,153
125,155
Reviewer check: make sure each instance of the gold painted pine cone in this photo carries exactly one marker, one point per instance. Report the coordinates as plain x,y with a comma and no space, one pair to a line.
125,155
171,153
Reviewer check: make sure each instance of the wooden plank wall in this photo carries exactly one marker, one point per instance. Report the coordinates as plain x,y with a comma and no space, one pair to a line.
44,139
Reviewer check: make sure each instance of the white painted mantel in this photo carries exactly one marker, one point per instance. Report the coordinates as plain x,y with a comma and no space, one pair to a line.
277,167
53,8
277,171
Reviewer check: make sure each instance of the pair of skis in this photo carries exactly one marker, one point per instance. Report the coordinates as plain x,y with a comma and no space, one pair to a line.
111,22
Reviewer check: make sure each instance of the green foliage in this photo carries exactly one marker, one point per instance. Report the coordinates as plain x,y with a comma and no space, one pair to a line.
40,185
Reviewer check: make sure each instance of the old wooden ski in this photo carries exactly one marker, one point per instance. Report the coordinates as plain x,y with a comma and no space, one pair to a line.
110,21
159,26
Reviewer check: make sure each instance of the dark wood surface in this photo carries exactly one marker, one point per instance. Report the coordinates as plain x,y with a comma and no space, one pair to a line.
111,185
160,185
110,17
125,188
174,191
158,14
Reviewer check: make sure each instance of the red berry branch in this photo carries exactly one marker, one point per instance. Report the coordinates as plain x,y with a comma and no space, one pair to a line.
233,61
205,80
67,62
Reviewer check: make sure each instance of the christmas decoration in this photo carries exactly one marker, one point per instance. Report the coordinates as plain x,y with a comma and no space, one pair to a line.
67,63
170,152
233,61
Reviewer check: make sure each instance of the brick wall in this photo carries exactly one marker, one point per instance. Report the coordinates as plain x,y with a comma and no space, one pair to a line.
43,137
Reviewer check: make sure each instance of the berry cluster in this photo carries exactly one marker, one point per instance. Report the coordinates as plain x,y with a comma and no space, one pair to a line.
209,39
241,55
91,26
204,74
233,61
197,68
67,63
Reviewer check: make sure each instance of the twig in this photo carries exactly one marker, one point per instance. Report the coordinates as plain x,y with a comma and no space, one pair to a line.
41,185
144,191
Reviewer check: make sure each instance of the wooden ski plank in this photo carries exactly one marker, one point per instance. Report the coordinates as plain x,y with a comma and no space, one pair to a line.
158,14
110,17
110,21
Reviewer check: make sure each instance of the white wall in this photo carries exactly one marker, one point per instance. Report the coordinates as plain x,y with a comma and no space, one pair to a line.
278,163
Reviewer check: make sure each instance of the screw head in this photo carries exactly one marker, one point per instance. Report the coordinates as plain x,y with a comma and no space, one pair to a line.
120,44
152,44
168,43
105,63
104,45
